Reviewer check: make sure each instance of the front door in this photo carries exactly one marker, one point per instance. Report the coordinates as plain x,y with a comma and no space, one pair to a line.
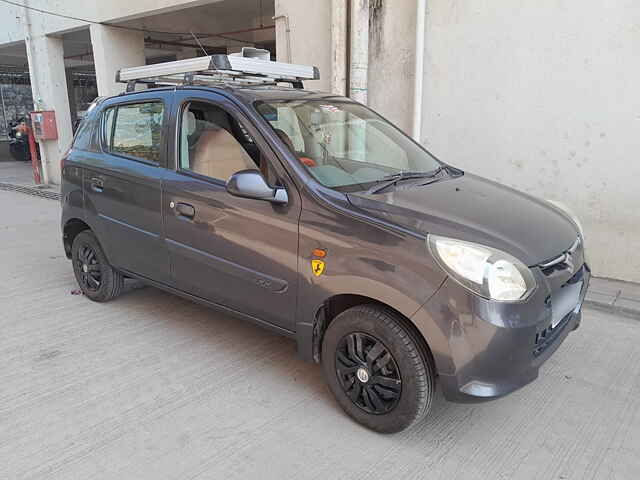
122,185
237,252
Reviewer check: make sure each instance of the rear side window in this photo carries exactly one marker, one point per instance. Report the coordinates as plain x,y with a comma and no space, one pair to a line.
82,140
107,125
85,131
134,130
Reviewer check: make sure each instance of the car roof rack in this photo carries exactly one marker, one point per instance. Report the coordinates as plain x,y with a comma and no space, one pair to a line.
251,66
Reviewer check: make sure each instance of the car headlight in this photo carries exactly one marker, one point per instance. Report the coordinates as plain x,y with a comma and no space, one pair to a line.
485,271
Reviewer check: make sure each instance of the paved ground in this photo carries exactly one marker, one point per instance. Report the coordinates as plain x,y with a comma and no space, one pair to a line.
153,387
19,173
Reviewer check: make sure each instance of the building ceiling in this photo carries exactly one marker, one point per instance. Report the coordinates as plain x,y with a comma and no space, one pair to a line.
234,16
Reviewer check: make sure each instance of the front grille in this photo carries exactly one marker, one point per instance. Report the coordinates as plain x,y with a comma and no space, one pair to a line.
546,337
571,259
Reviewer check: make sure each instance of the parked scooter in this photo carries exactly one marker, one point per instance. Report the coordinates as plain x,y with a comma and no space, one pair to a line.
19,140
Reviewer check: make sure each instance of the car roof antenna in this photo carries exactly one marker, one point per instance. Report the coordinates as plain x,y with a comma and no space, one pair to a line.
198,42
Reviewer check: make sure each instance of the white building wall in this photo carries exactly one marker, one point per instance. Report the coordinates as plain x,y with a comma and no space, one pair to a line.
541,96
391,50
392,41
544,96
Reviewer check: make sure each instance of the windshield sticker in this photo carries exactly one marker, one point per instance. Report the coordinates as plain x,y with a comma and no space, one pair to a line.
330,108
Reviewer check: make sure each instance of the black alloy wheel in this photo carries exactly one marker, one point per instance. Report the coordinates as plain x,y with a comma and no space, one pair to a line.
368,373
98,280
89,267
378,367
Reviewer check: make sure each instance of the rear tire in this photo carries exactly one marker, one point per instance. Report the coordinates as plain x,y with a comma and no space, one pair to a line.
376,369
97,279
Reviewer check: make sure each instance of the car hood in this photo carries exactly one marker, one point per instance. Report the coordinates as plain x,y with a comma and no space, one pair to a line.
474,209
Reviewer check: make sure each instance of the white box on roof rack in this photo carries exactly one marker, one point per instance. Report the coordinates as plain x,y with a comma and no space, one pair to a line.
233,67
271,69
166,68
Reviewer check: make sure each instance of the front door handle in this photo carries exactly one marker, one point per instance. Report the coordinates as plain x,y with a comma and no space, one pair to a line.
97,184
185,210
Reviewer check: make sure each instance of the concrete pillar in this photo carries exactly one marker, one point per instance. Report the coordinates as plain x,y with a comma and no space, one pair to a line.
392,47
359,51
339,46
113,49
49,88
71,90
305,28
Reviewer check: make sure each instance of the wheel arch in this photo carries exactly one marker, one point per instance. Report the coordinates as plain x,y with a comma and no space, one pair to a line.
70,231
336,304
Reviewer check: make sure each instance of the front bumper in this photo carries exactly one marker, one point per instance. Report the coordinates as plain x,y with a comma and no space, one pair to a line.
485,349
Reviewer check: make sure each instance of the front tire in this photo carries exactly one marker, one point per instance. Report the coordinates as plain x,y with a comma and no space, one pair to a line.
376,369
97,279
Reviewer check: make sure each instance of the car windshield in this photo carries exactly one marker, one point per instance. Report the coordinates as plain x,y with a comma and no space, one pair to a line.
345,145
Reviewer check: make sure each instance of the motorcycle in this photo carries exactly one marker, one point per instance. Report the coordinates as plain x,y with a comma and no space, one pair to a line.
19,141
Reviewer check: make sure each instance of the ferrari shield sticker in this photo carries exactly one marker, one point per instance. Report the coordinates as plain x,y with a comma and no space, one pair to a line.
317,267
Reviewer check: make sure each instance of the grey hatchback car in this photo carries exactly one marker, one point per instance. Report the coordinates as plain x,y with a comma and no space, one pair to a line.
311,215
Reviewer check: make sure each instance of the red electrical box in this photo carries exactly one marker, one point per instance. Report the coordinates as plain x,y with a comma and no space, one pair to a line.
44,125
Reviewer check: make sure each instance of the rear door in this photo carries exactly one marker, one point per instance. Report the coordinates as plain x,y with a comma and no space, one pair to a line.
237,252
122,184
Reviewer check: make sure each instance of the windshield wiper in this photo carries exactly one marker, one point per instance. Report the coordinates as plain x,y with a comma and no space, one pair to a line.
390,180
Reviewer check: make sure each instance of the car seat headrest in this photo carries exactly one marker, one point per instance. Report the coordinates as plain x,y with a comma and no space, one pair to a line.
189,121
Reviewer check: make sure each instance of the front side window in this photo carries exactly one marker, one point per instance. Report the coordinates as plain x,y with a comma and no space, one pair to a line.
342,144
134,130
215,145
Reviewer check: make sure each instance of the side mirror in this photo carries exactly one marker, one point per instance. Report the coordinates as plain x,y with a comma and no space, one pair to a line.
251,184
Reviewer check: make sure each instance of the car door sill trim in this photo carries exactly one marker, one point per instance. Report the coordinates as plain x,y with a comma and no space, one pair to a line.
216,306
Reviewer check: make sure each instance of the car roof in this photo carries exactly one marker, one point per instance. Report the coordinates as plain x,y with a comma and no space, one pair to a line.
268,93
249,93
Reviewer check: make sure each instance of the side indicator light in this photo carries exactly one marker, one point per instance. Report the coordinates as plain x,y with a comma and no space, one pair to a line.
319,252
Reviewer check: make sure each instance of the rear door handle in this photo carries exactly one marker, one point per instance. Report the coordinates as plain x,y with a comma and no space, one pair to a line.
185,210
97,184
